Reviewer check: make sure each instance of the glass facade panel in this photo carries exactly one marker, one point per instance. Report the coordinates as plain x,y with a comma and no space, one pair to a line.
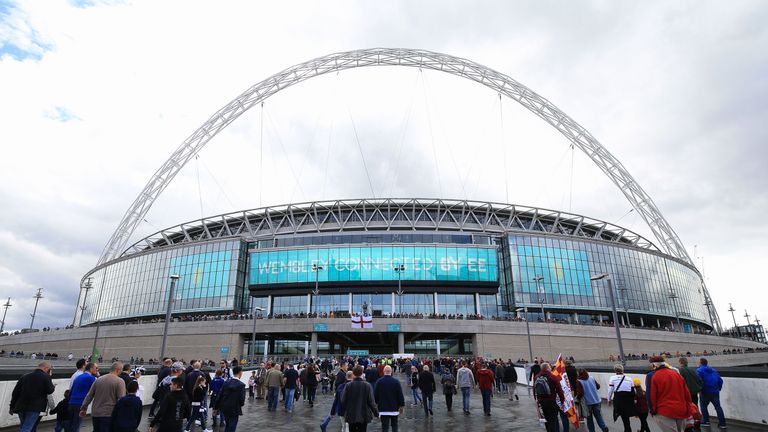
455,304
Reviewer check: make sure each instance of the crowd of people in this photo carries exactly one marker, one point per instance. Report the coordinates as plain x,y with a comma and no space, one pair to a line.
202,393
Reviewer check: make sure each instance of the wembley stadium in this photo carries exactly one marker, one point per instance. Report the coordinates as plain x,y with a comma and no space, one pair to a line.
385,276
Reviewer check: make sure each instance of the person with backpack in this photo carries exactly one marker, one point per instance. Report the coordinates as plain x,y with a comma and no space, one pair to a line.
449,387
216,384
232,399
712,383
546,390
164,371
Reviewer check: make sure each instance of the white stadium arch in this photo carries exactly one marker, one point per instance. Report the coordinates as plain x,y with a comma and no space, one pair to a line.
668,240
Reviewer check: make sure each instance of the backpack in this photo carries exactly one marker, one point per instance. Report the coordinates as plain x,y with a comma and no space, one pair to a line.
541,386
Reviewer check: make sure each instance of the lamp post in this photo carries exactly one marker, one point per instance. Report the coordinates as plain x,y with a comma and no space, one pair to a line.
174,279
624,299
87,287
37,298
252,346
317,269
530,346
607,277
735,326
673,297
6,306
747,315
399,269
708,304
542,295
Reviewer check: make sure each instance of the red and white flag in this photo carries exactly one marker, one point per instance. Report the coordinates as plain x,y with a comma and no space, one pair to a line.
362,321
568,407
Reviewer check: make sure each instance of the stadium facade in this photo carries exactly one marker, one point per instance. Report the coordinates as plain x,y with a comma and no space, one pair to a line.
461,259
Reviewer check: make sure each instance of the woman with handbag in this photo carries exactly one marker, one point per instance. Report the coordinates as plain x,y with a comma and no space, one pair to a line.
621,394
449,387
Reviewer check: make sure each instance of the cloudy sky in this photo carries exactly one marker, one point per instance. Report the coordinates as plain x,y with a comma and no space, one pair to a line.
94,96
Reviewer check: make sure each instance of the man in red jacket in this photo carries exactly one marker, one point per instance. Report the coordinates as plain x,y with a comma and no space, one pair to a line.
546,390
485,380
668,397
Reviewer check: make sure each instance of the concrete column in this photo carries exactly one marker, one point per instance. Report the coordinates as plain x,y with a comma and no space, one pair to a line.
658,323
575,318
622,320
401,343
269,305
642,323
309,303
477,303
437,346
350,303
434,296
313,345
601,318
393,304
306,348
266,350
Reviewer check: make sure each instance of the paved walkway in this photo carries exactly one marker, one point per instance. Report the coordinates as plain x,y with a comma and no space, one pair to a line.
506,416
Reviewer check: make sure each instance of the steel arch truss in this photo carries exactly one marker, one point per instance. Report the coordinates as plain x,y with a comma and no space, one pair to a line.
576,134
389,215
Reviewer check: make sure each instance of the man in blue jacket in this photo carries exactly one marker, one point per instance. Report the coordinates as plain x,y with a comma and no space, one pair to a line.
232,399
80,387
388,394
710,392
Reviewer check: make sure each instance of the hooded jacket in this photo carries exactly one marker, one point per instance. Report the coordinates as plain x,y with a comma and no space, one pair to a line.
711,380
667,394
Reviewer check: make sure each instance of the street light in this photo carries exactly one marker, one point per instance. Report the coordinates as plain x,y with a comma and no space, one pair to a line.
37,298
542,295
6,306
673,297
735,326
607,277
317,269
530,346
399,269
252,347
174,279
87,287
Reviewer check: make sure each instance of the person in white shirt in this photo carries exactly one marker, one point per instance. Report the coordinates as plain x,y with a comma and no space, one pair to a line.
622,397
80,369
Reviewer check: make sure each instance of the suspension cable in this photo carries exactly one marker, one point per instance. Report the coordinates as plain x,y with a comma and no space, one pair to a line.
503,149
360,147
431,134
261,153
199,191
285,154
570,194
403,131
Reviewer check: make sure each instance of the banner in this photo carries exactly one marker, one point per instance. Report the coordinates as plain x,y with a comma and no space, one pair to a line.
568,407
362,322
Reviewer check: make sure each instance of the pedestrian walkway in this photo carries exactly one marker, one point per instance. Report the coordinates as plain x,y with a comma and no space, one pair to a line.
505,416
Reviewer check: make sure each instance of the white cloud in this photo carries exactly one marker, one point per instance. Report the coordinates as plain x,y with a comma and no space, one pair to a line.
675,91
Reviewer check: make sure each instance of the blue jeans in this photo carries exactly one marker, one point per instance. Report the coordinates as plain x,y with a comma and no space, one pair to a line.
273,395
466,392
427,401
289,392
594,411
706,398
487,394
28,420
101,424
231,423
197,413
416,396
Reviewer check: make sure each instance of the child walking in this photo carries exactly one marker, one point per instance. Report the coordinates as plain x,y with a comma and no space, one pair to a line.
642,405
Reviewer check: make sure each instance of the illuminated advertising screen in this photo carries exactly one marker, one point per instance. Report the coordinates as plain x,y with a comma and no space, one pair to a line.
564,271
376,263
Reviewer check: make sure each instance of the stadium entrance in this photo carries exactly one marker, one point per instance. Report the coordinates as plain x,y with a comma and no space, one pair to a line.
361,343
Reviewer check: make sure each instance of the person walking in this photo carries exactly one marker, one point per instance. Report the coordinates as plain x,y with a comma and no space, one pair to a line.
341,376
104,393
173,408
428,387
485,380
79,391
199,390
499,377
252,385
711,386
510,381
546,390
692,379
669,400
622,396
273,381
216,384
232,399
588,393
415,385
80,365
449,387
641,405
465,380
311,384
165,370
62,413
359,403
337,408
30,396
126,415
388,394
261,373
290,378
